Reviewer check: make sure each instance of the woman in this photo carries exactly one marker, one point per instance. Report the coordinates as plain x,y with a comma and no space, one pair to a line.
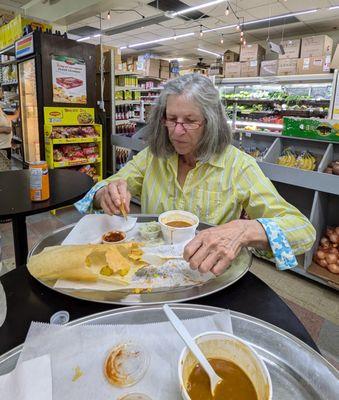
191,165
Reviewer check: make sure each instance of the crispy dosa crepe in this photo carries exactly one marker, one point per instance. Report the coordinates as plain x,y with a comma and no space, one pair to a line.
86,263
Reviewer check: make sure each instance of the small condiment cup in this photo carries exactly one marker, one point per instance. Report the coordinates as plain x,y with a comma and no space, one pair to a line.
226,346
120,233
175,234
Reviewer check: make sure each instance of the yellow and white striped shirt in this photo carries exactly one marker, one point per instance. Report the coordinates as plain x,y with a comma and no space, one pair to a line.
216,191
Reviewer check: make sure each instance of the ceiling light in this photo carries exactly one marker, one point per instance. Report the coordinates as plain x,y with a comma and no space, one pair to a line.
222,39
83,38
282,16
227,11
244,42
333,7
201,32
158,40
242,34
109,14
237,26
97,35
204,5
209,52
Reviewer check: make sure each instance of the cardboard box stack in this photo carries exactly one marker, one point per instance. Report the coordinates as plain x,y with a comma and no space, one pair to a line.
291,49
232,70
288,66
164,69
106,58
316,54
269,68
251,56
231,65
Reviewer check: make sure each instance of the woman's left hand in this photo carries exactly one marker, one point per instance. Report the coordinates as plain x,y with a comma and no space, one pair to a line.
215,248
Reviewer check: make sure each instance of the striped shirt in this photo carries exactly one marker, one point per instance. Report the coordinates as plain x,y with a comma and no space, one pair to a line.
216,191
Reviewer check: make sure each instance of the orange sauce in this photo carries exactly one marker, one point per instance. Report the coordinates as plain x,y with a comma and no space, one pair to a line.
178,224
235,384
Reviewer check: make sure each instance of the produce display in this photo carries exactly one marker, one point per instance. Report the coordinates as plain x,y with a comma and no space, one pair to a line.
327,255
333,168
65,132
81,152
254,151
277,95
304,160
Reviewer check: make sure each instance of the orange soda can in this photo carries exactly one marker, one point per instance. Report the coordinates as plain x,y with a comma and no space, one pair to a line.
39,181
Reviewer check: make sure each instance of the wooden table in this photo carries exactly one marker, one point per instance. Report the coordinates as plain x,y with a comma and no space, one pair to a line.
66,187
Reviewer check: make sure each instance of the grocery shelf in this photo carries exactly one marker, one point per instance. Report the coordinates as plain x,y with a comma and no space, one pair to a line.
326,102
17,138
128,142
9,62
92,139
248,133
63,164
276,79
131,88
122,102
297,177
259,124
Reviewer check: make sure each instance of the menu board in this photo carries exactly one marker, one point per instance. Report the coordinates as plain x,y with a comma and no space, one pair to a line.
69,80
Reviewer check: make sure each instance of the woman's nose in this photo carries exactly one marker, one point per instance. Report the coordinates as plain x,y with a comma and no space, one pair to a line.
179,129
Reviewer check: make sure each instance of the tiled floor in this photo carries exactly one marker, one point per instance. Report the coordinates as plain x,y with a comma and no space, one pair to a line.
316,306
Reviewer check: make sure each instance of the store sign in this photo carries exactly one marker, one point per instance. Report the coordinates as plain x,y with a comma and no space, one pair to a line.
24,46
69,80
68,116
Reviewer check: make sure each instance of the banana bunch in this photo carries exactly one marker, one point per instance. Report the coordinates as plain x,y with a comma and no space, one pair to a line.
288,158
306,161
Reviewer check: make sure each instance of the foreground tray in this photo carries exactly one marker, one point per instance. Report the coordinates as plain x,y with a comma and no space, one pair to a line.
297,371
159,296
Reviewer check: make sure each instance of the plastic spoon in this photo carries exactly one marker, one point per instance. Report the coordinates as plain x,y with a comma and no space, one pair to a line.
158,260
198,354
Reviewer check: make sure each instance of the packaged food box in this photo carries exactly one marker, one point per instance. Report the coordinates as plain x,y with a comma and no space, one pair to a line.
291,48
316,46
230,56
252,52
287,66
250,68
232,70
314,65
312,128
269,68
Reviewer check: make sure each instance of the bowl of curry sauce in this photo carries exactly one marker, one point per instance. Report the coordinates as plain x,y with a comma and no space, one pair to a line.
244,375
178,226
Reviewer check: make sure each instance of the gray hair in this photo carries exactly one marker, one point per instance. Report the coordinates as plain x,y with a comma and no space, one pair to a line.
198,88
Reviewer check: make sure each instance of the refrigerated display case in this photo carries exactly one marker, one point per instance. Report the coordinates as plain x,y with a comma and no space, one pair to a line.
29,110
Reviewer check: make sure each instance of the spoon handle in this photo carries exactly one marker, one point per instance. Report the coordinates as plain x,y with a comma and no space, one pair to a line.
187,338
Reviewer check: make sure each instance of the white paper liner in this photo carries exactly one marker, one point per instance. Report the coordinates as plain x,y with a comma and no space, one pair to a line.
86,347
90,228
30,380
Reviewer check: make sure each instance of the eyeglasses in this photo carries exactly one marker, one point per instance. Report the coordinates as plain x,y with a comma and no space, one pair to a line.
188,126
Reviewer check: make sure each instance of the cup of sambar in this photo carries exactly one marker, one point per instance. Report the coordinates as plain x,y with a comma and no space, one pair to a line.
178,226
244,374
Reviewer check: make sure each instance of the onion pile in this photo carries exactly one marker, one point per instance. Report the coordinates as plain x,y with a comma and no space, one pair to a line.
327,255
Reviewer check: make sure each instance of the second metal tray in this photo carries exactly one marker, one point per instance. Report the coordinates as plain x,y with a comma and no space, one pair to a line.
297,371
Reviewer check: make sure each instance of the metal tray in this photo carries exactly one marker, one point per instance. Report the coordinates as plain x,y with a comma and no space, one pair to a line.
159,296
297,371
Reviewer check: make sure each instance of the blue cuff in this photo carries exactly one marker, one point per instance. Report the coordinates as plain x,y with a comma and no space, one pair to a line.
281,249
85,205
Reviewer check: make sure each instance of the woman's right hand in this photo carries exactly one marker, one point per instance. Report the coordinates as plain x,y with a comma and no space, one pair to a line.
111,196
